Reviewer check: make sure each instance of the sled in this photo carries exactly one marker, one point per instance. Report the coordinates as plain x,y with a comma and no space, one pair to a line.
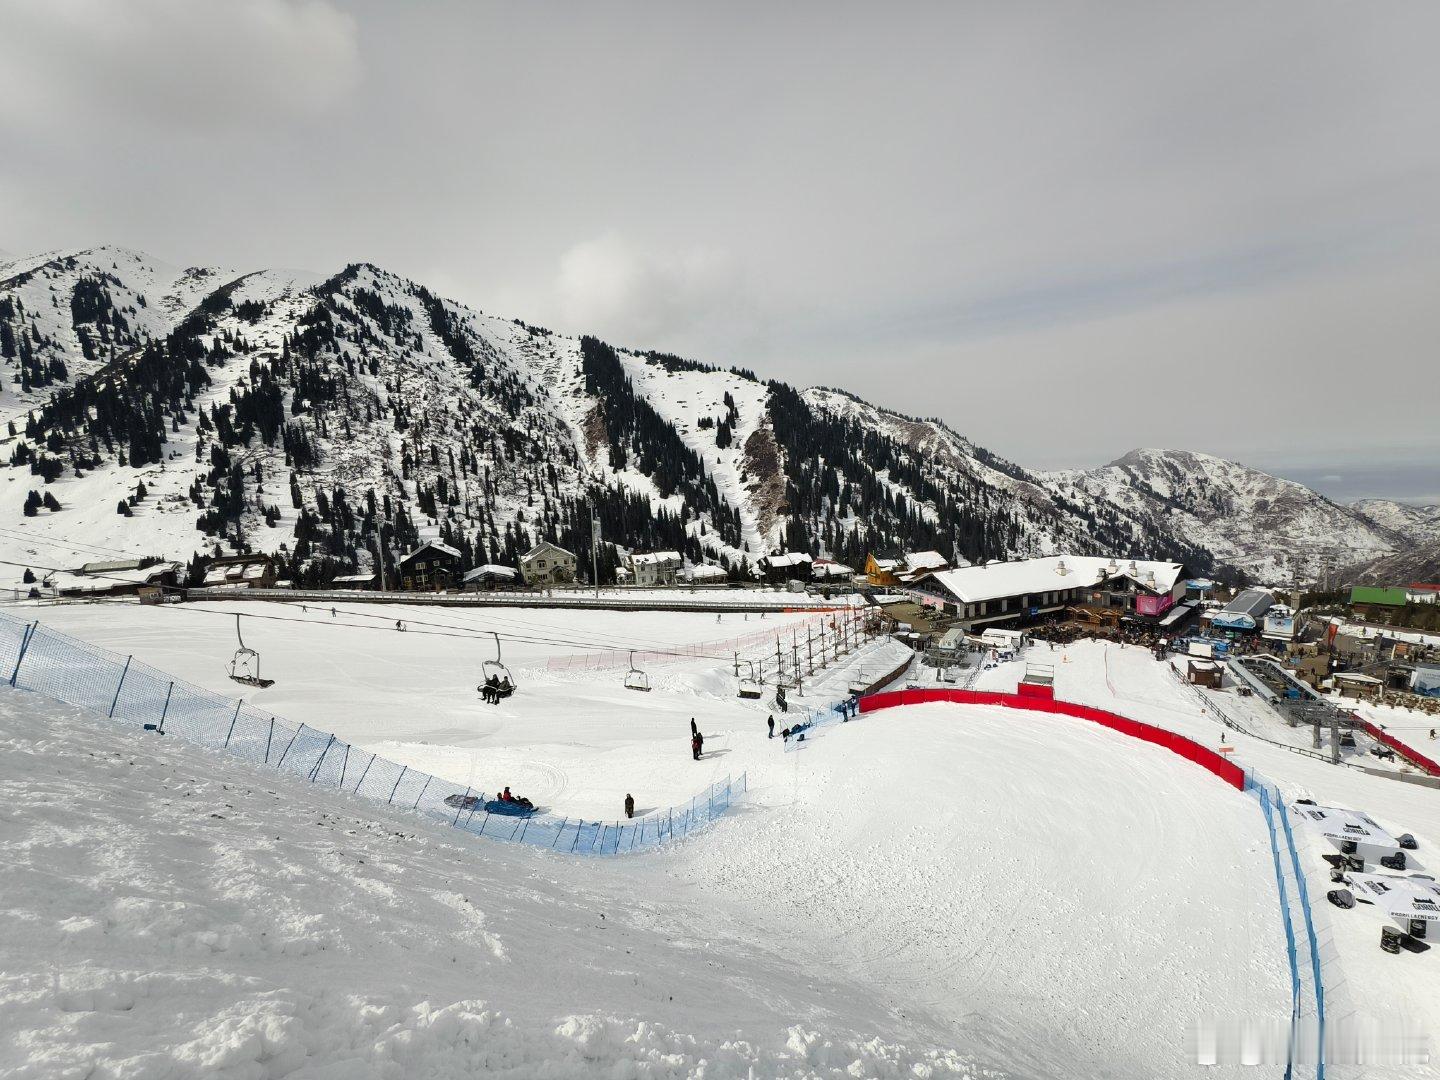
509,809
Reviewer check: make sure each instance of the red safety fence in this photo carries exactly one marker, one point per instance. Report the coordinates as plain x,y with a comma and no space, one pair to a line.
1419,760
1203,756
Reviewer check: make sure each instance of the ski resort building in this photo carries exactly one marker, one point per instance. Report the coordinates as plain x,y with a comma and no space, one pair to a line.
652,568
904,570
785,566
354,581
491,576
431,567
547,564
241,572
1029,588
1245,612
707,574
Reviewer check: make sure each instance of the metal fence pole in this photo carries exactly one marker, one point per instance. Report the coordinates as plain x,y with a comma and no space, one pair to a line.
268,736
315,769
116,698
559,832
363,773
424,789
460,808
165,711
579,828
24,644
232,719
344,764
290,744
403,770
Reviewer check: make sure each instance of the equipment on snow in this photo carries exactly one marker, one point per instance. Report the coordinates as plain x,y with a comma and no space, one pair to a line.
1390,939
750,687
1406,841
1341,898
1393,862
635,679
245,665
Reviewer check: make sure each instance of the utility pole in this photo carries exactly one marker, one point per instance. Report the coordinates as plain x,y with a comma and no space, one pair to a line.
380,550
595,551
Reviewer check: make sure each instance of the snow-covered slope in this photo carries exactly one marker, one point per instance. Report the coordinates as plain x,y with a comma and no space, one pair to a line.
167,912
1275,529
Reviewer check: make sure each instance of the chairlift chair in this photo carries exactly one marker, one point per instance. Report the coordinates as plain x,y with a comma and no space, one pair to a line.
750,688
635,679
495,674
245,665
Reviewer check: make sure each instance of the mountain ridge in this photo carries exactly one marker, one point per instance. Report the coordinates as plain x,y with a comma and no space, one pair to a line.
299,413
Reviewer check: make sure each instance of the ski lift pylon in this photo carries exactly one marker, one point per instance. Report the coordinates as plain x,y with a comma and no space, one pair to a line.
495,675
245,665
635,679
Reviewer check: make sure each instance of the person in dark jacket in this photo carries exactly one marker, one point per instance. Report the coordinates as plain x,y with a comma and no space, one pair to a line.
771,723
693,729
695,746
629,806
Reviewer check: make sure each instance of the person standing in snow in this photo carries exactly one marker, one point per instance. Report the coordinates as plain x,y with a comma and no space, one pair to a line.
695,746
693,729
629,806
771,723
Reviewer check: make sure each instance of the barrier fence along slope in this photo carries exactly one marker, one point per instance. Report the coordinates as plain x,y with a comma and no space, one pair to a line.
36,658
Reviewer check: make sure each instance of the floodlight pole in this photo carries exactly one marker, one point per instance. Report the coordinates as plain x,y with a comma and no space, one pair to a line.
595,551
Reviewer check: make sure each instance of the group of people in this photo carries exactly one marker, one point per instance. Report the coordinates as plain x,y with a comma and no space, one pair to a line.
697,741
494,688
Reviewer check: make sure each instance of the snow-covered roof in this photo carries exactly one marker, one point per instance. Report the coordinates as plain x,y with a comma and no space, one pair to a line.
925,560
656,558
110,567
972,584
788,558
492,570
543,547
886,564
433,545
353,579
706,572
831,568
66,581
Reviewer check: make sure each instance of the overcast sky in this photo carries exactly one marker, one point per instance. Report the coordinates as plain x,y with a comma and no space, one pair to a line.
1068,229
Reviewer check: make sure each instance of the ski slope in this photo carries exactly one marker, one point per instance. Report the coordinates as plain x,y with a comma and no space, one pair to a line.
575,742
1004,888
1362,983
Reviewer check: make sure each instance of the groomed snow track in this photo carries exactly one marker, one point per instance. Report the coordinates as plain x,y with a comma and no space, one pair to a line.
1306,1045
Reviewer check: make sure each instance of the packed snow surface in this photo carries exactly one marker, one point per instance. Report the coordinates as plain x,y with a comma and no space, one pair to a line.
925,892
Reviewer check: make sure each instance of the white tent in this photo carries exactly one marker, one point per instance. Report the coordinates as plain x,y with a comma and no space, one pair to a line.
1339,825
1401,898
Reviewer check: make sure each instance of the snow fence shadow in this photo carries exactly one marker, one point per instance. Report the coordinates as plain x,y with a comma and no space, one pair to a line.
35,658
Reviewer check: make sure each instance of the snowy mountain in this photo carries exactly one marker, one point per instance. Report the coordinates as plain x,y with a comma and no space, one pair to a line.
1273,529
169,411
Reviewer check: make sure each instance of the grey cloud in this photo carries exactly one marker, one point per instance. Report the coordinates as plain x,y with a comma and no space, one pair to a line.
1068,229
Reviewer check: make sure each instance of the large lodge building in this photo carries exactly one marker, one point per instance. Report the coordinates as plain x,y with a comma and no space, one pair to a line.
982,595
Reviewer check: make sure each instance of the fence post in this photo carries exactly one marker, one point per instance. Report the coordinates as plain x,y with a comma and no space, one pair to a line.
460,808
232,719
268,736
344,764
116,698
578,830
524,829
403,770
24,644
559,832
165,711
363,772
292,743
315,769
424,789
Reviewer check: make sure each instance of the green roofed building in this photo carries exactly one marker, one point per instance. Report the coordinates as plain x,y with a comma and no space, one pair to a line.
1371,596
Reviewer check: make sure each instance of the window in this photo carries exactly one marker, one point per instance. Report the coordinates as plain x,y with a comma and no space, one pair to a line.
541,564
420,566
